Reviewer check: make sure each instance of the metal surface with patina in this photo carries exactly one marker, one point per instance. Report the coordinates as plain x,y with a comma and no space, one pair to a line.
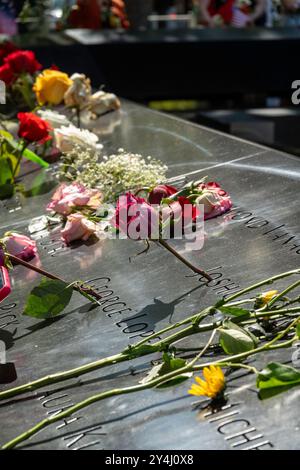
260,237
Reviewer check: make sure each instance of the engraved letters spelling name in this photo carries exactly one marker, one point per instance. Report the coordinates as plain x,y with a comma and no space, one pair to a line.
274,233
7,317
82,438
236,429
113,306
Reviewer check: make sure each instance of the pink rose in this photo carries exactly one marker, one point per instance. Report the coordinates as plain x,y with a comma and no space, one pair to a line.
129,209
216,201
20,246
78,227
68,197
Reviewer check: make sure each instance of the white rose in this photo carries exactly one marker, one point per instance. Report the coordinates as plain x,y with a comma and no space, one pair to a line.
54,118
67,137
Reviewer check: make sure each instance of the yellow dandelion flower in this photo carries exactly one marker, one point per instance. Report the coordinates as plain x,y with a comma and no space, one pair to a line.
213,384
267,296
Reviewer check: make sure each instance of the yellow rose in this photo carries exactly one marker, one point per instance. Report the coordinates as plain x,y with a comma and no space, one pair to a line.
50,86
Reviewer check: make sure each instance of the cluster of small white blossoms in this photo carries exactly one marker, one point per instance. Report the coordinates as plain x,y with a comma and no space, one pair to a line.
115,174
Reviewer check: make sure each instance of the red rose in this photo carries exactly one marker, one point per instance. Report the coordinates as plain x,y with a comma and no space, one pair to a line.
163,191
33,129
160,192
6,48
135,217
23,61
6,74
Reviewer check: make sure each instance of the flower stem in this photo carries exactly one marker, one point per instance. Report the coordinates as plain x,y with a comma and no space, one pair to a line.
283,293
189,367
85,291
96,398
270,280
19,160
129,353
183,260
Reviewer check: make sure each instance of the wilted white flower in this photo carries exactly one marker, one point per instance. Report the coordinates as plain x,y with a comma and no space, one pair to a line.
54,118
102,102
78,94
68,137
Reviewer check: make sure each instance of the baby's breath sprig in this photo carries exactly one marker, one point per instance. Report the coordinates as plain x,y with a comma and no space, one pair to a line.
114,174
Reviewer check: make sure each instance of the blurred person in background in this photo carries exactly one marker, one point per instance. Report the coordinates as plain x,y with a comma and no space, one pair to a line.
8,13
290,13
236,13
97,14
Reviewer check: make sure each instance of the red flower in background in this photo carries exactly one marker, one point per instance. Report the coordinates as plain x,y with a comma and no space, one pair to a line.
6,48
6,74
23,61
33,129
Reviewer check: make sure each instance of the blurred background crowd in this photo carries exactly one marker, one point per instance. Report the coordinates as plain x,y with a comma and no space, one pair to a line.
146,14
228,64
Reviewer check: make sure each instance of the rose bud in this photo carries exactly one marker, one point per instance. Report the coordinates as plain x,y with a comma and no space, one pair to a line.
162,191
20,246
78,227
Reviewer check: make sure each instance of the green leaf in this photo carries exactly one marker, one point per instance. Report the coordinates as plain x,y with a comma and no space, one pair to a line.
28,154
276,378
235,311
48,299
298,330
235,340
168,365
33,157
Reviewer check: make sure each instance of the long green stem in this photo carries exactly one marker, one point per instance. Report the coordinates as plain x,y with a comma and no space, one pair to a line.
190,367
270,280
283,293
128,354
